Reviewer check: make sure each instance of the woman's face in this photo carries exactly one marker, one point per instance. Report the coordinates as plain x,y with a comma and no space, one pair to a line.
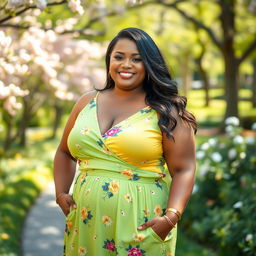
126,67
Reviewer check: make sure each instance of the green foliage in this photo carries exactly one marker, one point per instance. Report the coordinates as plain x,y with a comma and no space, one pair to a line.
21,179
187,247
222,209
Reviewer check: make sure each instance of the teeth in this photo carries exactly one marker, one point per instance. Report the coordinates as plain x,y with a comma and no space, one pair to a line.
126,74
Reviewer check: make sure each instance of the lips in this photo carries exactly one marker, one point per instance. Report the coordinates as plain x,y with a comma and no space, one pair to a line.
126,75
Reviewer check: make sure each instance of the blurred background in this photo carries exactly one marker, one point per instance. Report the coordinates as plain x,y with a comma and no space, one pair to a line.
51,52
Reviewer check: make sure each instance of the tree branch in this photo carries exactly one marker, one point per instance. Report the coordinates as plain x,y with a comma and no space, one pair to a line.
248,51
27,8
198,23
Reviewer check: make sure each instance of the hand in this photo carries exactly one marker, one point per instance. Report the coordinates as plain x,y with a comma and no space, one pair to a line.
159,225
65,201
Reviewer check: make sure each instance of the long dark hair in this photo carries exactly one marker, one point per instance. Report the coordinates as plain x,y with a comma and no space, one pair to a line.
161,90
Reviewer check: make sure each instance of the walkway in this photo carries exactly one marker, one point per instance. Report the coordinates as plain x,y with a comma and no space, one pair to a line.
44,227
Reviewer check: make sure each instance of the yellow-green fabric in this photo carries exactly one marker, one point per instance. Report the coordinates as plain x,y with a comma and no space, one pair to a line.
120,186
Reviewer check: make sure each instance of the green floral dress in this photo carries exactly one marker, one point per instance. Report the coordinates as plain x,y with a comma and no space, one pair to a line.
120,186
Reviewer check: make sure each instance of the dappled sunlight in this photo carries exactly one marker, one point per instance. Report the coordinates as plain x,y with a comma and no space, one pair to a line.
44,227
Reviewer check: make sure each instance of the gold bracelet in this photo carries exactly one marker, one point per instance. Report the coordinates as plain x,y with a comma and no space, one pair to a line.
59,196
169,221
174,211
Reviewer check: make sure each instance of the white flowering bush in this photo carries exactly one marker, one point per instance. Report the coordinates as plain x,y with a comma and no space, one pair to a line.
41,69
222,209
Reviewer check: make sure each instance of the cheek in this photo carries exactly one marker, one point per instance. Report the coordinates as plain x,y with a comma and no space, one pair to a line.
112,68
142,71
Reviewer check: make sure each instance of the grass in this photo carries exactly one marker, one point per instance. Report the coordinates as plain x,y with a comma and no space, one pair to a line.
213,114
21,179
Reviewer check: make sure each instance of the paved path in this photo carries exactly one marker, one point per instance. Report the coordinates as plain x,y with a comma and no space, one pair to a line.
44,227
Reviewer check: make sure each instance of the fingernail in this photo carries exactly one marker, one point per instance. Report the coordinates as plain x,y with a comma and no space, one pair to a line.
74,206
140,227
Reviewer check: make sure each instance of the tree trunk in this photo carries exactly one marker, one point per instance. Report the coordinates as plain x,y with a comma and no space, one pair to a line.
58,114
231,86
9,124
205,79
26,116
227,18
254,85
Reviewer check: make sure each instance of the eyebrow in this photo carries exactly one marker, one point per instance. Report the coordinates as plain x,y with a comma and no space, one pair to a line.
133,54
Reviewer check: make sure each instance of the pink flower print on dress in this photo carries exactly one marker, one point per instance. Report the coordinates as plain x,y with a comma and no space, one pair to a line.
110,245
135,251
112,132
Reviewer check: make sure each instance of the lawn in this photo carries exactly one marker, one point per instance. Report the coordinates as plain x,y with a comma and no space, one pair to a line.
213,114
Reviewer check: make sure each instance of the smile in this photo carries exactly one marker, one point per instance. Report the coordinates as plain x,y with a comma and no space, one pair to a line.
126,75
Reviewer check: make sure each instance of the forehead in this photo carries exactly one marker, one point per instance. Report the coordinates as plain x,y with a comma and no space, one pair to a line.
126,46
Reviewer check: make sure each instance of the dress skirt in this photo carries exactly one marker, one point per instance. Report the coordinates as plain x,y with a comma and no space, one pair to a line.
110,207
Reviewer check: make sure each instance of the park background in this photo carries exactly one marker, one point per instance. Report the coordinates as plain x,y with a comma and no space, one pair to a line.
51,52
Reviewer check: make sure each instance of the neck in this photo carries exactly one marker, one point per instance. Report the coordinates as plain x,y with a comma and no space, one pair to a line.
128,93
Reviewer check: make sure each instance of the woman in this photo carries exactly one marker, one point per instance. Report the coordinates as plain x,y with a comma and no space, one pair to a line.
121,137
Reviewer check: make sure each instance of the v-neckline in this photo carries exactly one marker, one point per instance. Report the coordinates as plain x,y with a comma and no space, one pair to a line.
117,124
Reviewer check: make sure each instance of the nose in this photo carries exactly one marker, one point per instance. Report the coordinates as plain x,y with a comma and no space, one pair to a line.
126,63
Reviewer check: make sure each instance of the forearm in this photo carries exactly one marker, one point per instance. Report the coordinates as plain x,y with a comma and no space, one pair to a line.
64,172
181,189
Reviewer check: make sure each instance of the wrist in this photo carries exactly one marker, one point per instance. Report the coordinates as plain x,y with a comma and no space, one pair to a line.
172,216
174,211
170,222
59,196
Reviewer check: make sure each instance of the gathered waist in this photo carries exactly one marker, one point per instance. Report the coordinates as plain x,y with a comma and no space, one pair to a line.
126,174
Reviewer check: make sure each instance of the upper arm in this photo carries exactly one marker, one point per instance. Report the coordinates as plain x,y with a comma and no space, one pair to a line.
179,153
80,104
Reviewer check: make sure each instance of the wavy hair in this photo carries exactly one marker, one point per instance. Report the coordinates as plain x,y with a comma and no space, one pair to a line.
161,90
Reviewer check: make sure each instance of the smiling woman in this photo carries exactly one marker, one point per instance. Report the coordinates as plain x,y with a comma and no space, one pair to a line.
121,137
126,67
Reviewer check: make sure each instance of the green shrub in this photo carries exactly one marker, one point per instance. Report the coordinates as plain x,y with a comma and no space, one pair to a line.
222,208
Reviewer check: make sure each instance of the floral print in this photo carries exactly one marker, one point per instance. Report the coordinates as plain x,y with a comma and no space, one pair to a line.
92,103
85,130
158,183
83,178
158,210
128,198
146,110
69,224
82,251
138,237
78,146
86,215
135,251
103,147
111,188
129,173
109,245
106,220
146,214
113,195
112,132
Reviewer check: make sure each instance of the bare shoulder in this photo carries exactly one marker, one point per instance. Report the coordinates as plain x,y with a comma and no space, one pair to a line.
183,128
84,100
79,105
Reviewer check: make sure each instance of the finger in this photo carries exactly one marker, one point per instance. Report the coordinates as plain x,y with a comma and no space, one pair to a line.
145,225
71,202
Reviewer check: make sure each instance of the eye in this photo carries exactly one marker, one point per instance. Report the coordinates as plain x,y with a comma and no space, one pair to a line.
118,57
137,59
